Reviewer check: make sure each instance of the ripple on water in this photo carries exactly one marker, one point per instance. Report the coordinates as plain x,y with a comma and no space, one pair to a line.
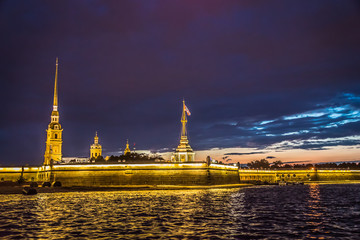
272,212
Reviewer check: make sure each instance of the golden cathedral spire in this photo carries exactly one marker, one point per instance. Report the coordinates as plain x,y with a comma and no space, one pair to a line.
53,150
55,104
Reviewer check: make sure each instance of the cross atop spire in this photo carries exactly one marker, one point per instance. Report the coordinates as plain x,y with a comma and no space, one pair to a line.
55,105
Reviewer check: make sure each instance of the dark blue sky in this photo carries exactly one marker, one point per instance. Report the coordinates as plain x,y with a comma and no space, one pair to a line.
255,74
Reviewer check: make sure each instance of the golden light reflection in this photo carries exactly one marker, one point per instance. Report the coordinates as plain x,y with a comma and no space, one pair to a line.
314,212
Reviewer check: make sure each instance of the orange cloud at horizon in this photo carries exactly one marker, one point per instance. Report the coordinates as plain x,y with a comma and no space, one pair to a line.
333,154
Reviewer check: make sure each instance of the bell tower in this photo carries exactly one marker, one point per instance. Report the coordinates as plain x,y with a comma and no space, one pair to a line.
95,149
53,149
184,152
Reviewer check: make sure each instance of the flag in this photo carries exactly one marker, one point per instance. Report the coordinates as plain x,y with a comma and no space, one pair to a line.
187,111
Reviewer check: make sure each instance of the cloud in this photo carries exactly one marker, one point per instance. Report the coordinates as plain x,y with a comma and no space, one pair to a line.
270,157
296,162
315,143
335,118
249,153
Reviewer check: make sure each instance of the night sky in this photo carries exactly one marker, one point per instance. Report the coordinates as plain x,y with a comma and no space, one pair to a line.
262,79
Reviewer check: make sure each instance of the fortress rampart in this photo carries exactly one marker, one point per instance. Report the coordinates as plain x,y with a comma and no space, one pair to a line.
184,174
107,175
294,175
13,174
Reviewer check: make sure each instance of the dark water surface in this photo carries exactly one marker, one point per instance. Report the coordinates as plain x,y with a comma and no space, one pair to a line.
271,212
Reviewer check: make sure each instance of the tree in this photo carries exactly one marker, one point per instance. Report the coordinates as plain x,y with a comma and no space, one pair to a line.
277,164
288,166
263,163
98,159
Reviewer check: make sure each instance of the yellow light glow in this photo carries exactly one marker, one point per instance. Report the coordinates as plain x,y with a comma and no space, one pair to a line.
223,166
11,169
161,165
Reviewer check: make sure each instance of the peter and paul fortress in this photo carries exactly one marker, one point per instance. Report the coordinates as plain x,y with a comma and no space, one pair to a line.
181,169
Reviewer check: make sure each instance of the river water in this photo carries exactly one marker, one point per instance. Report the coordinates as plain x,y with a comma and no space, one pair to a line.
265,212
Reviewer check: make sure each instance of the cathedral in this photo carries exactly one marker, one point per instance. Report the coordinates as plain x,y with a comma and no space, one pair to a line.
53,148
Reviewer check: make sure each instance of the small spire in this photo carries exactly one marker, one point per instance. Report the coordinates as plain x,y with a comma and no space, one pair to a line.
183,121
55,105
127,149
96,138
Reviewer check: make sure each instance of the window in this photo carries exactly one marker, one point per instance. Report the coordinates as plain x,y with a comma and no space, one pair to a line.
55,135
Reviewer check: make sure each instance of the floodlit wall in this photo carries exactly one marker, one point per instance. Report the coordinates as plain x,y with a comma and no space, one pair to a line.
271,176
14,173
338,175
144,174
166,174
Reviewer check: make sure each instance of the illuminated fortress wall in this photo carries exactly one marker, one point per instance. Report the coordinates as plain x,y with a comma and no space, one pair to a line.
145,174
330,175
13,173
166,174
271,176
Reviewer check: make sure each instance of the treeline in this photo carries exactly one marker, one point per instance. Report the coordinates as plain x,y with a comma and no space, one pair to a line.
129,157
264,164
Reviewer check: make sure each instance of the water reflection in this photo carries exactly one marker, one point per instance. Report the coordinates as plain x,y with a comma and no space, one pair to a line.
314,211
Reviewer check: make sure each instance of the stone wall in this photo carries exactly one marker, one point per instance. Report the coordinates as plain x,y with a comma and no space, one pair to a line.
291,175
166,174
142,174
338,175
13,173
